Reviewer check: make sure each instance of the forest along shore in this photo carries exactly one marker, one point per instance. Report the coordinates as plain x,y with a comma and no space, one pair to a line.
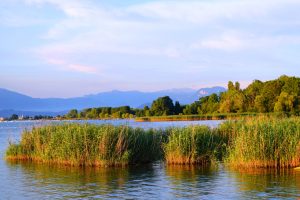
274,97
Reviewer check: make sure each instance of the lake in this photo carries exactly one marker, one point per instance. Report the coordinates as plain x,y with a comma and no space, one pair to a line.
26,180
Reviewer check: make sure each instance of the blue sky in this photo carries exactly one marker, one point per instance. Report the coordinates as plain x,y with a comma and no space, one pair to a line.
65,48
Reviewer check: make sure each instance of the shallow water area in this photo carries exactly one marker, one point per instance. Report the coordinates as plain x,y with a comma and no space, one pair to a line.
25,180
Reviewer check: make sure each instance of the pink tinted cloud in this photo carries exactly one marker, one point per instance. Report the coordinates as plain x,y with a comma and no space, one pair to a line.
73,67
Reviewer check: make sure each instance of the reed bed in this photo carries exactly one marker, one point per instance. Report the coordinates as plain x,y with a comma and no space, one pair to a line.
88,145
257,142
193,145
265,142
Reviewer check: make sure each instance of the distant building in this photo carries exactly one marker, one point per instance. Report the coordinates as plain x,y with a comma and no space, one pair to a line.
1,119
21,117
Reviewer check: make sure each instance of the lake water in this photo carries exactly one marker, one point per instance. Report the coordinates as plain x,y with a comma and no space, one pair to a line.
156,181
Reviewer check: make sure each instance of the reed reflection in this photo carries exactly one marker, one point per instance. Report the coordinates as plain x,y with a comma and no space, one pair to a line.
271,183
72,181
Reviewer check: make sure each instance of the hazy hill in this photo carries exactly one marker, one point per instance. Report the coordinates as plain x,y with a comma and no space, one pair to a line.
10,100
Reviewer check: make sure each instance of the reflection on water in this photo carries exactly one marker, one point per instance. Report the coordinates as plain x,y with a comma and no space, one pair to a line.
193,181
72,182
25,180
155,181
269,183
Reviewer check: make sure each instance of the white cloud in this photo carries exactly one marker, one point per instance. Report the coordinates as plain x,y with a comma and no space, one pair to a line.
72,8
225,42
82,68
176,31
208,11
237,41
91,27
11,20
64,65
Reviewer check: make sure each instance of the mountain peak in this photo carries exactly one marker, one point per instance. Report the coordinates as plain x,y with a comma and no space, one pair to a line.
208,91
179,90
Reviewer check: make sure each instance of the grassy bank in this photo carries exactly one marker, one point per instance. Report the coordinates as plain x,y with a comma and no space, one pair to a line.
88,145
107,145
258,142
216,116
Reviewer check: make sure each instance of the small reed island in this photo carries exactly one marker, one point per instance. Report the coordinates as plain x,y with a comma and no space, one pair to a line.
258,142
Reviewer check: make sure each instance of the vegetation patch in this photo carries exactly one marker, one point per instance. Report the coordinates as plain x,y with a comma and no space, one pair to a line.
264,142
193,145
216,116
256,142
88,145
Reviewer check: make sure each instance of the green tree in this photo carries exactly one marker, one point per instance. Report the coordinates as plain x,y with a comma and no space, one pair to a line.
237,86
72,114
14,117
95,113
177,108
261,104
230,85
209,104
162,106
291,85
265,102
102,115
117,115
286,103
233,100
191,109
251,92
125,110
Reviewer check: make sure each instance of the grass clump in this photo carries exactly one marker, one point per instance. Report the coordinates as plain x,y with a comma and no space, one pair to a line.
88,145
192,145
265,142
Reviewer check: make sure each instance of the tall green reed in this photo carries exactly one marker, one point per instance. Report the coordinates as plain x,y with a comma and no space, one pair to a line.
193,145
88,145
266,142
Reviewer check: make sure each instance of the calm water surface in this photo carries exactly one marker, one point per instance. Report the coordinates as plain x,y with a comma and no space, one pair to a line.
157,181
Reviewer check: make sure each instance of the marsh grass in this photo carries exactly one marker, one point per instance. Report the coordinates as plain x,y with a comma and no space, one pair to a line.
264,142
193,145
256,142
88,145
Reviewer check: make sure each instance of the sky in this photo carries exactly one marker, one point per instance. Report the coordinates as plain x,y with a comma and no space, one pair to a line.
68,48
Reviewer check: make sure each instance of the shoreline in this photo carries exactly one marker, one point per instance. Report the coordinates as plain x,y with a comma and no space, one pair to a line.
172,118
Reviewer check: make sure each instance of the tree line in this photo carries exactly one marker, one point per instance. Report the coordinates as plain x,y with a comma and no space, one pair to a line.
15,117
279,95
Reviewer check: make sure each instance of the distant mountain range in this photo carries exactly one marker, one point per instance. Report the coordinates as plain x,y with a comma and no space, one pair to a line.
13,102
